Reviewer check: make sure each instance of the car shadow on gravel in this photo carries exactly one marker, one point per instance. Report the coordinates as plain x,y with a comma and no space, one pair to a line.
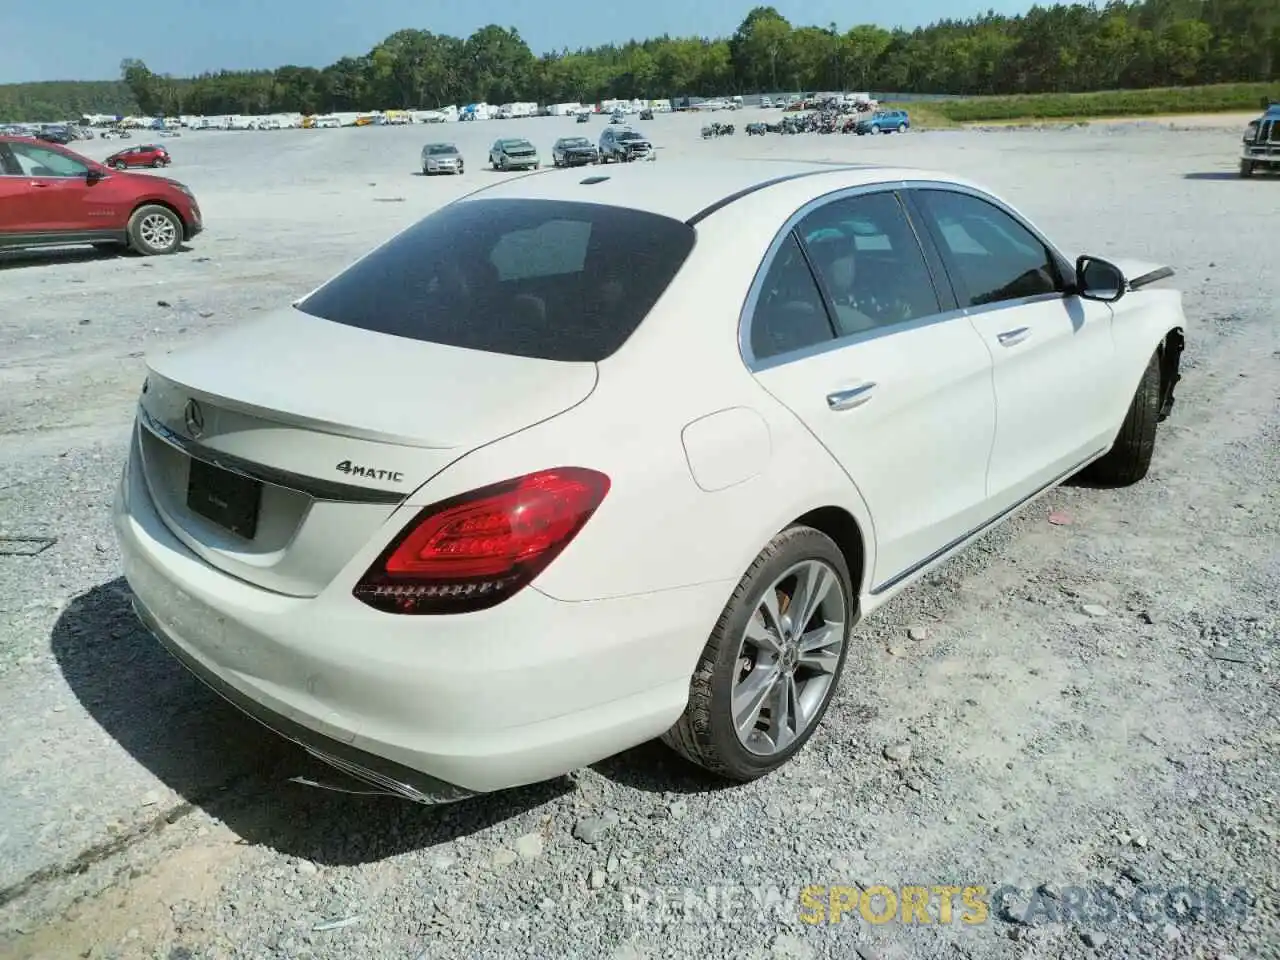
221,761
59,256
654,768
1233,175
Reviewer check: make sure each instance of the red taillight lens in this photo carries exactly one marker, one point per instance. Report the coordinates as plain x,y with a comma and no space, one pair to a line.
475,550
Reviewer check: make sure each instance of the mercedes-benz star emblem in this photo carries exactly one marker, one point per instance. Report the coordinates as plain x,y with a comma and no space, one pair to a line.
194,418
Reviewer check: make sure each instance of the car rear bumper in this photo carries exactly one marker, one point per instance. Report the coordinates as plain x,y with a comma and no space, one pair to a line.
432,708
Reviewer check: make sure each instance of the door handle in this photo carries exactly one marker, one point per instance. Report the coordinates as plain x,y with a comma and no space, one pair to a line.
39,183
848,399
1012,337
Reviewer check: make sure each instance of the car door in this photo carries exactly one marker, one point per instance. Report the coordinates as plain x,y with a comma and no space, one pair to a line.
851,328
14,185
54,192
1050,350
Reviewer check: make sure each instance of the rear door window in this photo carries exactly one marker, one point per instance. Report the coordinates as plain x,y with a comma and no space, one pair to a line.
549,279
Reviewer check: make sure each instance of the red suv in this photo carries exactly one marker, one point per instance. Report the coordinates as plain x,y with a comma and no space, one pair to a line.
144,155
52,196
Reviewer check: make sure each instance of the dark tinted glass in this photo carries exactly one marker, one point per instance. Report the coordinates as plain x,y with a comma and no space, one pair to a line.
532,278
789,313
864,249
996,258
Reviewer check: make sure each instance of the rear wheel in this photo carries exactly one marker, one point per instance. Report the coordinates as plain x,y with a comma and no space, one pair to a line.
1129,459
902,128
772,662
155,230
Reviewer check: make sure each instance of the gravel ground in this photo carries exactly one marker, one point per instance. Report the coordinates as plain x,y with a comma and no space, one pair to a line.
1090,703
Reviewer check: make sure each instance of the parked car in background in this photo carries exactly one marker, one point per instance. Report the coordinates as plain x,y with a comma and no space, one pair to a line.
646,114
58,135
441,158
1262,143
143,155
574,152
52,196
624,145
583,116
884,121
887,366
510,153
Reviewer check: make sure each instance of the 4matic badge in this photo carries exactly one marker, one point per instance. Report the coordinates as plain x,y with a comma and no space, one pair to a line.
373,473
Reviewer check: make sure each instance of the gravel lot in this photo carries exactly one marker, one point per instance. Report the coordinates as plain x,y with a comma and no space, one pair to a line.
1086,703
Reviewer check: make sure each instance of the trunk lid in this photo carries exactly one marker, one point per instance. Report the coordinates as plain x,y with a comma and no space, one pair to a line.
306,435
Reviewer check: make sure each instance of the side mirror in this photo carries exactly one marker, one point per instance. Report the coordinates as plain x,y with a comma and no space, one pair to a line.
94,175
1097,279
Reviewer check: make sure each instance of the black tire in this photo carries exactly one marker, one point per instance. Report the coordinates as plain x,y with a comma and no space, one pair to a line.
144,226
425,171
902,128
120,165
1246,168
705,734
1130,457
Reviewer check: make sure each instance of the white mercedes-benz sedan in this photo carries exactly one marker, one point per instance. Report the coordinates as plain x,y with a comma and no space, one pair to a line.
576,462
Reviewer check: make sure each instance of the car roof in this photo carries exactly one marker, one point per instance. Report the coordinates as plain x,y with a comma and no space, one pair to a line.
685,189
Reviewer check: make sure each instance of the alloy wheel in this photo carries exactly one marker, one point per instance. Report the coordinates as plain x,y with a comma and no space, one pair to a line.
157,231
788,657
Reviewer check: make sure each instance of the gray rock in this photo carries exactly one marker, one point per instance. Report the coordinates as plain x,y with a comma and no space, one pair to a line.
1095,610
1094,939
594,829
898,752
787,946
529,846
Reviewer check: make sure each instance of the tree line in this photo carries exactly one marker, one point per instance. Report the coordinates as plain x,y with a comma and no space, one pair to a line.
1122,44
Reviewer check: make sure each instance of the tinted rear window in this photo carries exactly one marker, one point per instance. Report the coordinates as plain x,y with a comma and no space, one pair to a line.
532,278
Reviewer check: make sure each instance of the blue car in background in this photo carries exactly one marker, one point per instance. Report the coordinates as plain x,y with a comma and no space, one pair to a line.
884,121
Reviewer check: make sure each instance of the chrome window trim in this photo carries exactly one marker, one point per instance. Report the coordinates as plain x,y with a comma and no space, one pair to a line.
747,313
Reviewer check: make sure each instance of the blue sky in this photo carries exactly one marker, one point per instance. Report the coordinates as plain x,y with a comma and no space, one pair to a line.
87,41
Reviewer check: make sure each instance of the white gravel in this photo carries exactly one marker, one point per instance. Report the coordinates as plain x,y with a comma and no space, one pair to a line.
1013,737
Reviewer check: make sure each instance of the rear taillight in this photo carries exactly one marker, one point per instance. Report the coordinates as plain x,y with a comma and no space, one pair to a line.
475,550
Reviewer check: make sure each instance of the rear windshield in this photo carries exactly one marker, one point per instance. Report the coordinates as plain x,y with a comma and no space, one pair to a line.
548,279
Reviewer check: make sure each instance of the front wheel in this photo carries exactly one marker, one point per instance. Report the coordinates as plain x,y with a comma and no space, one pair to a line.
772,663
119,165
154,230
1130,457
1246,168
